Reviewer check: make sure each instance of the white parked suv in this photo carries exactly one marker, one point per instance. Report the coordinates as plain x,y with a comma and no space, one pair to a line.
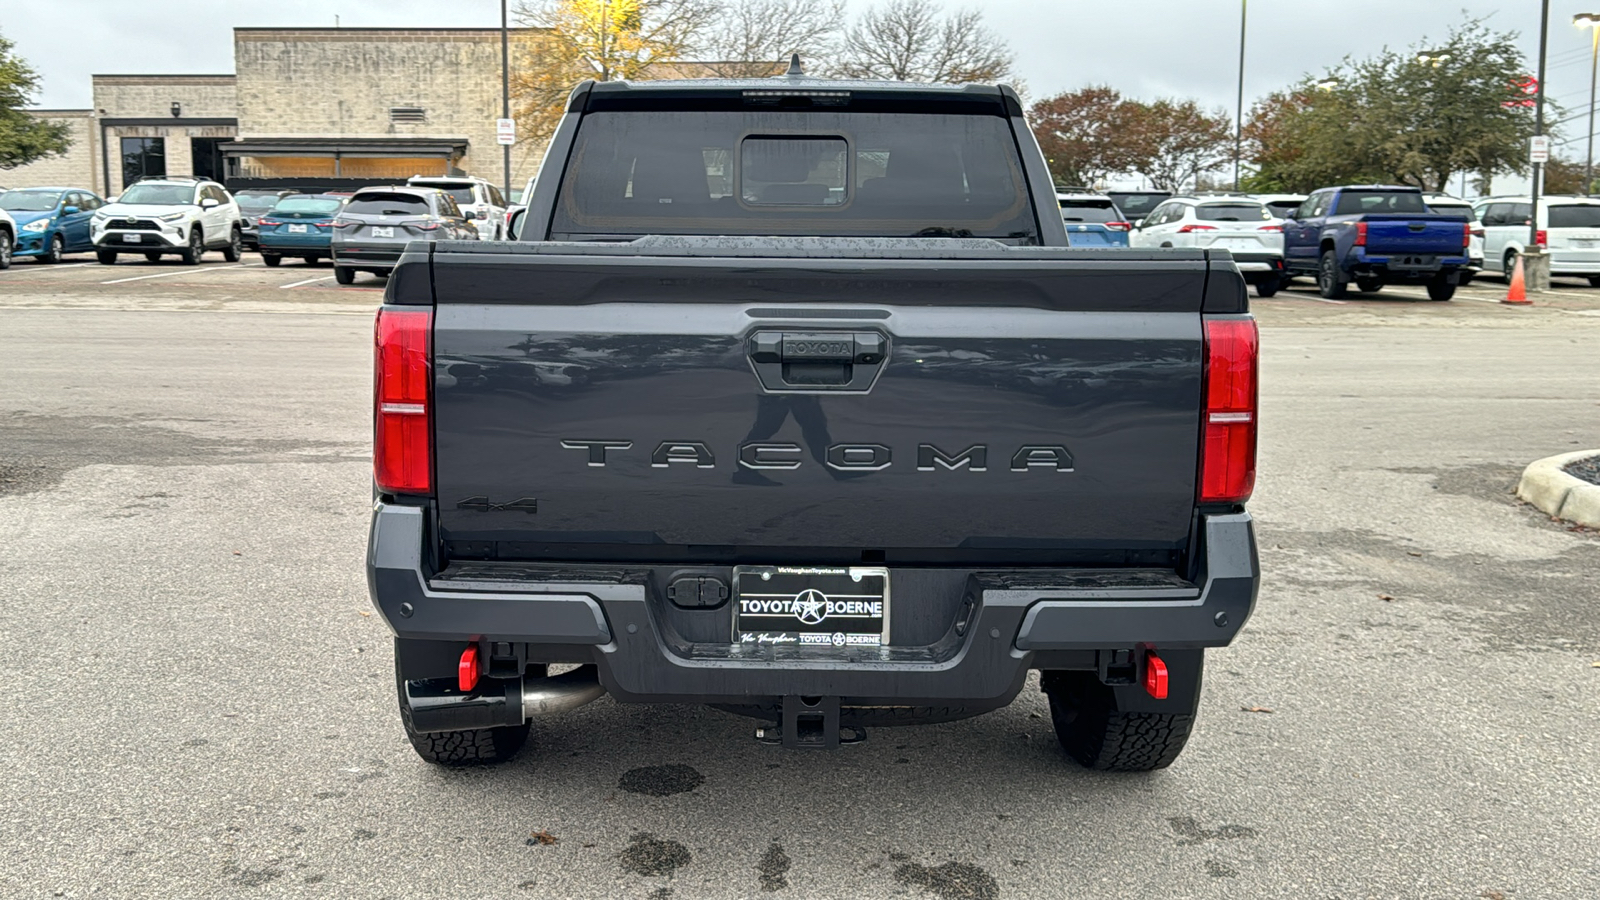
1569,231
1240,225
8,238
186,216
474,195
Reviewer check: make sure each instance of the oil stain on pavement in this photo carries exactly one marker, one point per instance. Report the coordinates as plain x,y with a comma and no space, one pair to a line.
774,868
661,781
646,855
951,881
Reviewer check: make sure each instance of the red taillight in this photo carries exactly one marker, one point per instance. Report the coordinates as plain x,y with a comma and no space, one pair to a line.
342,223
268,222
1466,235
323,224
1275,229
1361,234
1541,237
1191,229
1474,232
1228,457
402,452
1118,226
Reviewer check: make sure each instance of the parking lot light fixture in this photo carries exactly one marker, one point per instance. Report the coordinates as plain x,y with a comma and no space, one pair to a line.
1326,84
1433,57
1590,21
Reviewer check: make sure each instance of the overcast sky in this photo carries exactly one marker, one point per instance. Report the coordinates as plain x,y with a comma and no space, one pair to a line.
1146,48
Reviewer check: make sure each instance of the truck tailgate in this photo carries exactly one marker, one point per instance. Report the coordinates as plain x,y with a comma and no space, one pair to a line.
1388,234
711,402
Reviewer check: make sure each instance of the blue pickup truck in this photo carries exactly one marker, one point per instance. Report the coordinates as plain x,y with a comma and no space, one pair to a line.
1375,235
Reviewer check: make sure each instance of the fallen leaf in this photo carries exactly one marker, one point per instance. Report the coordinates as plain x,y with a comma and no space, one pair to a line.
587,846
1414,552
237,553
1492,895
1386,597
364,613
543,837
1259,709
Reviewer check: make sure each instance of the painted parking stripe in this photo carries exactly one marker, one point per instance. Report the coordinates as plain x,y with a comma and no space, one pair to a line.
184,271
307,281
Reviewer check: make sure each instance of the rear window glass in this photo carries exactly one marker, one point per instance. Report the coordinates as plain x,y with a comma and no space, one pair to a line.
794,173
1089,211
387,205
1231,212
1574,216
325,206
462,193
1137,204
1355,203
1452,209
256,201
1282,208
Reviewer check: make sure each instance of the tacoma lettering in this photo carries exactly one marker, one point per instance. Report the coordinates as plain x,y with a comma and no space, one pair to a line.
843,457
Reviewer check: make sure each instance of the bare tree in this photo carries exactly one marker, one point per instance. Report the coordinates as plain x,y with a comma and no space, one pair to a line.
753,38
910,40
1180,140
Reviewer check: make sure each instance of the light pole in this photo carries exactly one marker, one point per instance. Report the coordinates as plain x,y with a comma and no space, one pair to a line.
1537,267
505,88
1590,21
1238,119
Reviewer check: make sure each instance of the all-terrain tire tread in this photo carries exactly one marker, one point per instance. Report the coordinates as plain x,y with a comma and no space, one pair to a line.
1106,740
472,747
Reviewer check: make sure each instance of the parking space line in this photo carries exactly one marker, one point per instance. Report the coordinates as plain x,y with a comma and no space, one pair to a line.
185,271
307,281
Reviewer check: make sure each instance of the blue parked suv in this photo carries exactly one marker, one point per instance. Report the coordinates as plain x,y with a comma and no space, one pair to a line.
300,225
51,221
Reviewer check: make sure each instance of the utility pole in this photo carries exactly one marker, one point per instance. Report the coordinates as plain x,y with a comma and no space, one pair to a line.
505,90
1590,21
1238,119
1538,265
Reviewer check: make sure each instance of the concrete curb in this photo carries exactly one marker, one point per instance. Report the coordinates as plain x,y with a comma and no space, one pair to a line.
1546,486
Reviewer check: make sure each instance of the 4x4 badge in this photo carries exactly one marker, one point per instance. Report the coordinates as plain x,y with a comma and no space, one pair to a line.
483,504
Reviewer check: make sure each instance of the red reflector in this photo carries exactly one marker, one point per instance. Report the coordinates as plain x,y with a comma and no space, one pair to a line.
1228,453
467,671
1275,229
402,457
268,222
1155,676
1361,234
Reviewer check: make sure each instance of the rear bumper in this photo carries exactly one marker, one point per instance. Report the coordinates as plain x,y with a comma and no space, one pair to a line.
363,256
1017,622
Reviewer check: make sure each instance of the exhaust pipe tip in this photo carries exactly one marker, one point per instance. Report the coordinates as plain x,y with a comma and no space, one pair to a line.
560,693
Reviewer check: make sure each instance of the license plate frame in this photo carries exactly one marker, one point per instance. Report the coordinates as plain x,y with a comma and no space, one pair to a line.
811,607
383,231
297,229
133,239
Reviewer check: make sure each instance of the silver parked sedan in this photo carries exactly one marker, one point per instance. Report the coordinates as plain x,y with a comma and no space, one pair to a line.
375,226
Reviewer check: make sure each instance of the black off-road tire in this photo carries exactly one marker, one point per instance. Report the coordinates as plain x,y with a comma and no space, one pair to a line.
54,253
152,257
1440,289
1098,736
195,249
235,246
106,257
1266,287
344,274
455,749
1369,285
272,260
1330,281
6,246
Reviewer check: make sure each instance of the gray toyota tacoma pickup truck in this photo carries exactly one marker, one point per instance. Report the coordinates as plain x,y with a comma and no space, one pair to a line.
792,400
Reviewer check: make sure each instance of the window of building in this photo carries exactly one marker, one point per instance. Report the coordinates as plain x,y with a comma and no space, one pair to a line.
142,157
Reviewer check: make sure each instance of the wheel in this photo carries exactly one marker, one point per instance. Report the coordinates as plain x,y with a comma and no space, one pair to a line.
1369,285
473,747
1330,281
344,275
196,248
1267,287
53,253
107,257
313,260
5,249
1509,262
235,247
1096,734
152,257
272,259
383,273
1594,281
1440,288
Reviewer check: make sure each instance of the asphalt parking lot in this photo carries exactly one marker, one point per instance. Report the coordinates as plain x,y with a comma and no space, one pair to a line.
202,706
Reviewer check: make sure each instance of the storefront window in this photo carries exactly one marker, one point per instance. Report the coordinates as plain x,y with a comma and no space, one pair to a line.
142,157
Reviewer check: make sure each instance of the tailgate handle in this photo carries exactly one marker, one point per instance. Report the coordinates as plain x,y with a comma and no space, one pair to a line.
818,361
1418,226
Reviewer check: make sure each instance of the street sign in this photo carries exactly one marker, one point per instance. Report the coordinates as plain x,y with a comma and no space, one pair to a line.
1539,148
505,131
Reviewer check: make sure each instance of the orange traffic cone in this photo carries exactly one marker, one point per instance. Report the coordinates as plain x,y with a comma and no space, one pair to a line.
1518,295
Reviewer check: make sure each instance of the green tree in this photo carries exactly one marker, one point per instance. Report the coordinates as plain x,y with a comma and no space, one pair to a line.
1418,116
1087,135
23,138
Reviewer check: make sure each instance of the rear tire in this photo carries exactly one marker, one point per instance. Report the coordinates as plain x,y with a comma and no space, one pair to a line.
152,257
272,259
1440,289
1594,281
106,257
1097,735
235,248
1369,285
344,275
5,248
455,749
56,250
1330,281
1267,287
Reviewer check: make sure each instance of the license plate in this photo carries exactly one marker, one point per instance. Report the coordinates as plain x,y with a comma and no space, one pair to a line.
132,238
1237,244
811,606
1580,244
380,231
297,229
